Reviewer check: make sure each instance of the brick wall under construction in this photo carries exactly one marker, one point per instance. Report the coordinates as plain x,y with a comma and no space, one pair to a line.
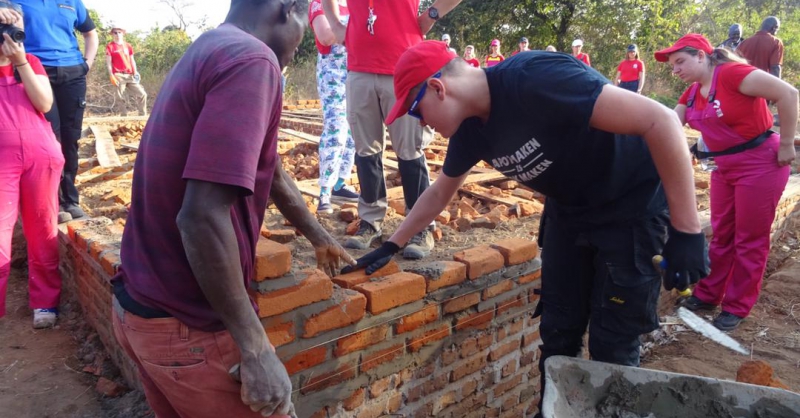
450,337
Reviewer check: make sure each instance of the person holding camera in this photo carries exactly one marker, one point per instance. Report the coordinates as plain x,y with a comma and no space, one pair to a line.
123,73
51,38
30,168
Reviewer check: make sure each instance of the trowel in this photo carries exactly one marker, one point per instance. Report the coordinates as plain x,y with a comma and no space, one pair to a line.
709,331
696,323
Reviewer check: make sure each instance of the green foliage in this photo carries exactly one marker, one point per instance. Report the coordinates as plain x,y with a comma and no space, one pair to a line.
161,49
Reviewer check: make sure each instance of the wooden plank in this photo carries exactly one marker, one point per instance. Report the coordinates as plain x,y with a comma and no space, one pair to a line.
104,147
484,193
302,135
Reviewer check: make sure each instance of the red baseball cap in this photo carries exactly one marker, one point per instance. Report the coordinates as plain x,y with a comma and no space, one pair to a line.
415,66
694,40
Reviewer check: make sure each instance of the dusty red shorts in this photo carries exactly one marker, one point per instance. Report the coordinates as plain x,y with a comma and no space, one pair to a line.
184,371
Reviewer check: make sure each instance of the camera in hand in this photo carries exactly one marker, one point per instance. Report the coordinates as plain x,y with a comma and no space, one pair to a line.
15,33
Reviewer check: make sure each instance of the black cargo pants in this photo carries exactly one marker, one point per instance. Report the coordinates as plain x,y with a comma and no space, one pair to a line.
66,118
604,278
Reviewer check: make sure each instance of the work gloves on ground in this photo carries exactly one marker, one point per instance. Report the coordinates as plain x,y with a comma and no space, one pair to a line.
114,80
375,259
687,259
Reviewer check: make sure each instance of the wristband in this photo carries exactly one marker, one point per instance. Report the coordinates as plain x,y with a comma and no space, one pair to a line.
21,65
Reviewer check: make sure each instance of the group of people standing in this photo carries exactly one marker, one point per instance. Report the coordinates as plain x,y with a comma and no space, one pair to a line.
42,101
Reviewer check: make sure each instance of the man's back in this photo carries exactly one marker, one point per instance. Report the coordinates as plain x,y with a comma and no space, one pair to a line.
763,50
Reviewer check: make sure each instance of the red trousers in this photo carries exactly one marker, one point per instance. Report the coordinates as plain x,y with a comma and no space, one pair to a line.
745,190
184,371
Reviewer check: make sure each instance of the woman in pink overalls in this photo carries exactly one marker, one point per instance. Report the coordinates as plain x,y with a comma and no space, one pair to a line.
30,169
727,104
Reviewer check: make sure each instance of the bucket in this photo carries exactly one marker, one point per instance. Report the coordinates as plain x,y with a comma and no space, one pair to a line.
589,389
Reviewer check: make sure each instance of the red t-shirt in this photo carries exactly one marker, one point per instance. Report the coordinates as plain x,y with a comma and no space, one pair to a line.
36,66
585,58
762,50
121,55
749,116
314,10
518,51
629,70
492,61
474,62
226,78
396,29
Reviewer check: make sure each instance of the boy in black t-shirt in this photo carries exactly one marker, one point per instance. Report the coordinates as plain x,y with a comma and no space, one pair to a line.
598,153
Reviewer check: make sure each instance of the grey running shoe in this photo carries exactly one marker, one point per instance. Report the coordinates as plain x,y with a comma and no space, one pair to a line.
364,237
74,210
419,246
64,217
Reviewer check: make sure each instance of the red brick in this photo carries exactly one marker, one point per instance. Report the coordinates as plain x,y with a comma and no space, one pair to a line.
280,334
530,277
533,297
110,262
516,327
361,340
508,304
504,350
480,260
530,338
373,410
500,288
448,357
383,356
326,380
468,367
452,273
394,403
527,358
507,385
272,260
306,359
411,322
322,413
392,291
436,334
469,388
509,368
480,320
282,236
355,400
314,288
379,386
348,311
517,250
352,279
462,302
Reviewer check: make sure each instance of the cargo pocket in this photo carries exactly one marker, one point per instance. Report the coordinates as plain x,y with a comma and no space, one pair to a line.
629,301
80,107
649,237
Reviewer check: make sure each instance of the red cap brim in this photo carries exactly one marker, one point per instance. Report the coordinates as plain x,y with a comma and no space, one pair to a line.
398,110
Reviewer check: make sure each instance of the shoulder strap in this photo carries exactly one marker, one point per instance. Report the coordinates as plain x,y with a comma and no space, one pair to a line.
692,93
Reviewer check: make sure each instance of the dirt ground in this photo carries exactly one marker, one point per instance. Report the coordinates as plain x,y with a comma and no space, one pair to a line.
54,373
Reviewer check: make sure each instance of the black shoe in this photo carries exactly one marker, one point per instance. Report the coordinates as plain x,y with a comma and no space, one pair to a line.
74,210
346,194
727,321
693,303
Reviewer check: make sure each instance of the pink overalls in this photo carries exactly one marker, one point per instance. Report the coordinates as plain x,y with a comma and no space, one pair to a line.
745,190
30,169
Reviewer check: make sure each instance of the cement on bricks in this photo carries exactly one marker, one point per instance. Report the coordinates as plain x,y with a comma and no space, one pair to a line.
394,290
439,333
462,302
441,274
306,359
316,286
279,334
352,279
499,288
350,309
517,250
386,355
272,260
480,260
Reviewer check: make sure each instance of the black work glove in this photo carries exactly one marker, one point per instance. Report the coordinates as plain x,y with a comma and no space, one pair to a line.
687,259
374,259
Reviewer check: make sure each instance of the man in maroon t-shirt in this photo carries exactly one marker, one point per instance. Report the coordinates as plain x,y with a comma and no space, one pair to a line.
207,165
376,34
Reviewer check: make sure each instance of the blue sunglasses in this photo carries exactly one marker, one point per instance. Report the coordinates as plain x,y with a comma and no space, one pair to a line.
412,110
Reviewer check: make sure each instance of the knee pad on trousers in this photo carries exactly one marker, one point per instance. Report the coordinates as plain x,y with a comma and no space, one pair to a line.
370,177
415,179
